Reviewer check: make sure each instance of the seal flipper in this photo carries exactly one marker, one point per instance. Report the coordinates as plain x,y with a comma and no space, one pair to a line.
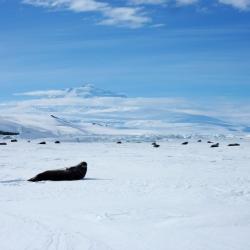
36,178
33,179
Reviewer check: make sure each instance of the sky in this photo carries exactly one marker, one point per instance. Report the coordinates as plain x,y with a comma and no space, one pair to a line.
184,48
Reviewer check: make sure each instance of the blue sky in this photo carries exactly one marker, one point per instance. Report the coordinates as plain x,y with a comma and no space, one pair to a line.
187,48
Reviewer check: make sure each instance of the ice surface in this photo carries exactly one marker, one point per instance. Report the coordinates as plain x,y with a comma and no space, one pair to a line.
134,196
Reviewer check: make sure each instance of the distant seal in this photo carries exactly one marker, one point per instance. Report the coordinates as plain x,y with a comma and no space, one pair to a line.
233,144
77,172
209,142
199,141
216,145
185,143
14,140
119,142
156,145
3,143
57,142
42,143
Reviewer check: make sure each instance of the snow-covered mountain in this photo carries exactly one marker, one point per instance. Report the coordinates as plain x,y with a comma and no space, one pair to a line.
87,112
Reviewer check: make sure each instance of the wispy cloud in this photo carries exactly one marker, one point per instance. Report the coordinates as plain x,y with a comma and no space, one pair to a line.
239,4
131,14
133,17
161,2
186,2
42,93
125,16
139,2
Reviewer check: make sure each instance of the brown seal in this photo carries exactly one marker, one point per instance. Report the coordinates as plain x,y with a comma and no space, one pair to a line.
77,172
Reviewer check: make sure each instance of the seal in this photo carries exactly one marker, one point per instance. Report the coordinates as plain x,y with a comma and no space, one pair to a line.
185,143
74,173
216,145
233,145
42,143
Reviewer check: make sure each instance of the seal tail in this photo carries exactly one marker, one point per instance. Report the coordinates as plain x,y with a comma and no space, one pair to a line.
34,179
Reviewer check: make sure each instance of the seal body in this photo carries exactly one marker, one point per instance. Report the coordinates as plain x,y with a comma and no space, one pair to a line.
77,172
233,145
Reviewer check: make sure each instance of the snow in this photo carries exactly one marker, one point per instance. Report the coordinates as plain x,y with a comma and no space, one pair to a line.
134,196
90,111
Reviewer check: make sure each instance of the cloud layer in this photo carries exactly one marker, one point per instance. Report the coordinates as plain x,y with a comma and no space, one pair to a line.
239,4
133,17
131,14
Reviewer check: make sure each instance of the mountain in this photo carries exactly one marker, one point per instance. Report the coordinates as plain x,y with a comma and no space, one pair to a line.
90,113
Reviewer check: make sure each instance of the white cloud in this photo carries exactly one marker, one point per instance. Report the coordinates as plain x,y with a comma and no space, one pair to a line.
240,4
121,16
138,2
42,93
131,15
178,2
125,15
88,5
186,2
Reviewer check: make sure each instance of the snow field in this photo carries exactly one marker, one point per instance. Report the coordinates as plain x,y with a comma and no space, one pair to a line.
134,197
